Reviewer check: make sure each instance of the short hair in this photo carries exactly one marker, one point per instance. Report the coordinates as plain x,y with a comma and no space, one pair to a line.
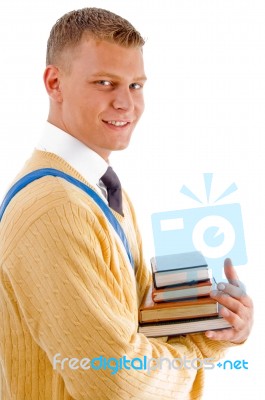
97,23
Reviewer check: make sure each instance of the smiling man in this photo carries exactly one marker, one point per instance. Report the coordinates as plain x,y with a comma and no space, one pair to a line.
97,96
70,283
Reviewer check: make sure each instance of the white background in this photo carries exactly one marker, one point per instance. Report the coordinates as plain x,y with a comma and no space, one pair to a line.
205,102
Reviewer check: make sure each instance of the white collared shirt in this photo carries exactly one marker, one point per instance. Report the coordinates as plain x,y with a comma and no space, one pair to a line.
86,161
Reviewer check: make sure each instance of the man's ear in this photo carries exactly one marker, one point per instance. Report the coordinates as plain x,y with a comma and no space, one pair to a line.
51,79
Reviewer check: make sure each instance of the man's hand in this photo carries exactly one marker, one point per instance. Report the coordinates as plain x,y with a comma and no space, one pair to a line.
237,308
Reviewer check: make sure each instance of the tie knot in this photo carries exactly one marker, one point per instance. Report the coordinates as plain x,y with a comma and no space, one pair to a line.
111,180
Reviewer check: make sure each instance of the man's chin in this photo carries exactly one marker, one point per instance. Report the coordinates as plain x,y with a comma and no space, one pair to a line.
121,146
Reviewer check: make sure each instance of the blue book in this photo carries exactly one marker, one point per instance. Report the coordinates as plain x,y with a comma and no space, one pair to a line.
177,269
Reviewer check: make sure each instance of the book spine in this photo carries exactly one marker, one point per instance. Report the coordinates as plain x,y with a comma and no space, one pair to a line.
154,280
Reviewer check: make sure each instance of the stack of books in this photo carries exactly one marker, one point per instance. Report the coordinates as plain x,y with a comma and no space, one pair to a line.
179,302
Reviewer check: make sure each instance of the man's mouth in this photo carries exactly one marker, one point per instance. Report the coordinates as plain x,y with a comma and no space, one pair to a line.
117,123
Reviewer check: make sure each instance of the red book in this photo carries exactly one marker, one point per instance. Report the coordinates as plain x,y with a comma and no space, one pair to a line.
150,311
186,291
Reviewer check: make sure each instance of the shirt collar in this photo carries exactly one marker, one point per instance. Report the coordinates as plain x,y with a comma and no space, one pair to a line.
86,161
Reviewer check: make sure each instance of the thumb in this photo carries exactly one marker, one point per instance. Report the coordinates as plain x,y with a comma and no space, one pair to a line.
231,274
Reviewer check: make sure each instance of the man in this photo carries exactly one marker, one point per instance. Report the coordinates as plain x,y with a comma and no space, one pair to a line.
68,291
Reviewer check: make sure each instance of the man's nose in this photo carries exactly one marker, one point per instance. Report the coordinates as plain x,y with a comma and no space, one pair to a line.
123,99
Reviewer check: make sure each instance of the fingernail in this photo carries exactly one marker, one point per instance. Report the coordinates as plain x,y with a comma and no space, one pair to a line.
228,262
221,286
209,334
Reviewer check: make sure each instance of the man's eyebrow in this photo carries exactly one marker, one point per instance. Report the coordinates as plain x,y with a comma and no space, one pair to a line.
113,76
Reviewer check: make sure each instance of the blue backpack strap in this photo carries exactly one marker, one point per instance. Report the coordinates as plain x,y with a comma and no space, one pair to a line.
32,176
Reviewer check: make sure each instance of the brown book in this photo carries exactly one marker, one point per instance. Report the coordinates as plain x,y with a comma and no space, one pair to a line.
186,291
172,310
183,326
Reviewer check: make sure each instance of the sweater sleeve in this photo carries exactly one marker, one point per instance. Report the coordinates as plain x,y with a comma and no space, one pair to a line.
65,282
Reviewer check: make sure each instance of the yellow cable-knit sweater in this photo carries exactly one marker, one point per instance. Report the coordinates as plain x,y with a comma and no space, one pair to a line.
67,289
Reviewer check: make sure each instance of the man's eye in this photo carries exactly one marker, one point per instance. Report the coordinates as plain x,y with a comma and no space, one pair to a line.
136,86
104,83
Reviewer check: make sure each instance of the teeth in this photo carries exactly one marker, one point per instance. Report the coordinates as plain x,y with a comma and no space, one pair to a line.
117,123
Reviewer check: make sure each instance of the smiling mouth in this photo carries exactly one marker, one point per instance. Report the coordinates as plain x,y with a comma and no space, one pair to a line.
117,123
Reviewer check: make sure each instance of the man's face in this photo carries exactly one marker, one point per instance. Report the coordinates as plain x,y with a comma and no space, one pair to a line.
102,95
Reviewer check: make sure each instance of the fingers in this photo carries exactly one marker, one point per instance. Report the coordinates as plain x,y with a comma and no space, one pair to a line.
237,307
231,296
230,273
241,324
234,291
236,320
221,334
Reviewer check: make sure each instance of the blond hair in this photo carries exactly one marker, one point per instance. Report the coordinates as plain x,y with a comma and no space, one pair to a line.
97,23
